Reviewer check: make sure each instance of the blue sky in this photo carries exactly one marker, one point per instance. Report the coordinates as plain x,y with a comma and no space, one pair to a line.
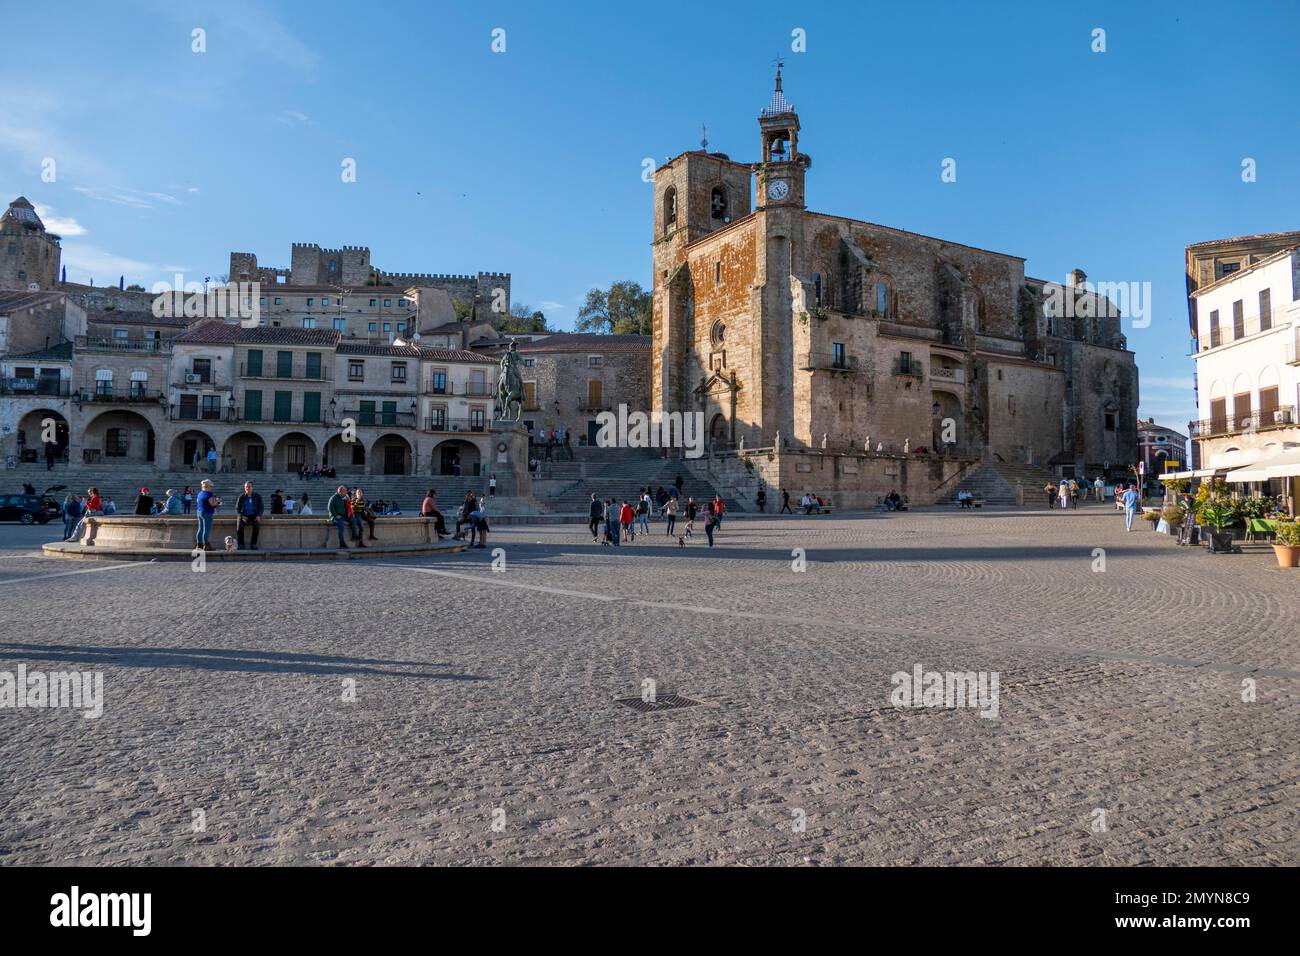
529,161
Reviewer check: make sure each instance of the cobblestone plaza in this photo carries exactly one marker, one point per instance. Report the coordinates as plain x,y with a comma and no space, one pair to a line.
436,711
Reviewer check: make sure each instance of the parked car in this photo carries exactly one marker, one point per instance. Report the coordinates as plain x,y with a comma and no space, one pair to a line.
29,509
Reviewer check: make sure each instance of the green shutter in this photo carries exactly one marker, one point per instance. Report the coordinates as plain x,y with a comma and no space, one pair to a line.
253,405
311,407
255,363
367,413
283,406
390,413
313,365
284,364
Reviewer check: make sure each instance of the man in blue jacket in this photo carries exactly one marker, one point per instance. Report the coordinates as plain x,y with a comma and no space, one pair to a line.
248,507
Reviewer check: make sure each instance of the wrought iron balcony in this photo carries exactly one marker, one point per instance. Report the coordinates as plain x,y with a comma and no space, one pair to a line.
1263,419
445,424
818,361
102,393
379,418
321,374
466,389
109,343
35,386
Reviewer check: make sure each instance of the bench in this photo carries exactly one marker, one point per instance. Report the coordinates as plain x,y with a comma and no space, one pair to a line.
976,501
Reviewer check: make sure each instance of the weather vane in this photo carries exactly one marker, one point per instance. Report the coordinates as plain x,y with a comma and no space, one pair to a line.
704,138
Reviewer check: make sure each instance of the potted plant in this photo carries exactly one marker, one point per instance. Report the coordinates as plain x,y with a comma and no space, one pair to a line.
1218,516
1152,515
1287,544
1171,517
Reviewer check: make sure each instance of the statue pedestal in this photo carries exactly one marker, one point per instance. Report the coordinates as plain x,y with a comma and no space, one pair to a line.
508,459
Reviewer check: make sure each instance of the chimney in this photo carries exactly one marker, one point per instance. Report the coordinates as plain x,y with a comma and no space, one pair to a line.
1077,278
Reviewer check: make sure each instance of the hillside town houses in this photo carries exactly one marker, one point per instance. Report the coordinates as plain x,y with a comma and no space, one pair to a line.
119,376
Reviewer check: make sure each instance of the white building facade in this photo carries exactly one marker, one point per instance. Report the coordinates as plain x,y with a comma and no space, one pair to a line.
1248,369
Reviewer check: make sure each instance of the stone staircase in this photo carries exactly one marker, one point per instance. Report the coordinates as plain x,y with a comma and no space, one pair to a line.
617,472
995,482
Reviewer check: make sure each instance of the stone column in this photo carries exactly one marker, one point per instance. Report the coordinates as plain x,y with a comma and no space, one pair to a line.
510,464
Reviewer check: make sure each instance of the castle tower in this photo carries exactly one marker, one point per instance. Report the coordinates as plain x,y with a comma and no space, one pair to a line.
29,255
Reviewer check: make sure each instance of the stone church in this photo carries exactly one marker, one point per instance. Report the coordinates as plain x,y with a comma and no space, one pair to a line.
809,333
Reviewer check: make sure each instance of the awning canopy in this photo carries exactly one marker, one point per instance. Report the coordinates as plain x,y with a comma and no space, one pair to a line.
1202,473
1284,465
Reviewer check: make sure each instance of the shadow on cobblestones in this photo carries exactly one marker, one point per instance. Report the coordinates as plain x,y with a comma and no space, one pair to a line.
203,658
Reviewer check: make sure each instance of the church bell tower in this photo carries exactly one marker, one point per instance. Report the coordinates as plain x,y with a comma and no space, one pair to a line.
781,173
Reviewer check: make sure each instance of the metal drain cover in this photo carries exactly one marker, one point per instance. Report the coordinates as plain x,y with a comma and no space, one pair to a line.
661,702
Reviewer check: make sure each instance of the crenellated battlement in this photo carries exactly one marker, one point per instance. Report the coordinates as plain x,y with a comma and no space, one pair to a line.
423,276
313,264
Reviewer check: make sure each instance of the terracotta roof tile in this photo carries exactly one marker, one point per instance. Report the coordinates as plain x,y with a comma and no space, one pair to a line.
1261,235
55,353
456,355
363,348
18,300
214,332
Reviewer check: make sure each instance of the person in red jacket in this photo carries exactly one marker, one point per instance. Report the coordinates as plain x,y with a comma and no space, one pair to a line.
94,503
625,518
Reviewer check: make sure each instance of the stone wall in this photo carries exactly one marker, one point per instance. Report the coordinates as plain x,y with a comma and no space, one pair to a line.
42,326
563,377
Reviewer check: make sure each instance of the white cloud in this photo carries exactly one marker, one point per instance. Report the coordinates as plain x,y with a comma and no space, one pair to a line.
57,224
248,28
294,118
133,198
104,267
552,307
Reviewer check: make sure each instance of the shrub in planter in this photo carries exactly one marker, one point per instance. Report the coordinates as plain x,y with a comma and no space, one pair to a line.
1218,517
1287,544
1170,518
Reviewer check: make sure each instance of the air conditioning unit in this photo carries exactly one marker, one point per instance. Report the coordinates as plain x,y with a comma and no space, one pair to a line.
191,380
1282,417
